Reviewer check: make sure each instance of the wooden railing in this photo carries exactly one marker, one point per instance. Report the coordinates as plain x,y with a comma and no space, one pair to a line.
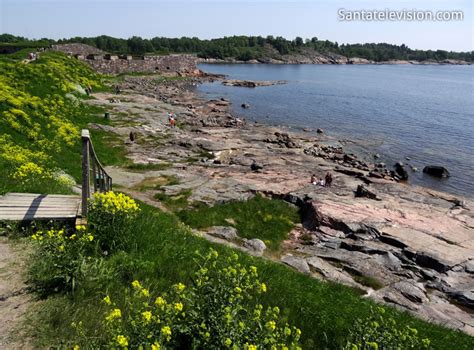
92,171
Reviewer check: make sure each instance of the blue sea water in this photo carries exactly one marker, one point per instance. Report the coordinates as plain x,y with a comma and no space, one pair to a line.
425,113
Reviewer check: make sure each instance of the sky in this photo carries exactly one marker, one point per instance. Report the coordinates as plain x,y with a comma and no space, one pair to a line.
217,18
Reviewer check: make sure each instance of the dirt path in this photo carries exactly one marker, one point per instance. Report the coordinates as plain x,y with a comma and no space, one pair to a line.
14,298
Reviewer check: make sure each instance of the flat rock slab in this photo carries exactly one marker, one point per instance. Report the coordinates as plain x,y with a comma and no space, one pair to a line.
442,252
296,262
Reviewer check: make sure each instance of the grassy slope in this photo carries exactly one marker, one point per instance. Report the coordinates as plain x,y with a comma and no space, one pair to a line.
161,253
40,90
162,250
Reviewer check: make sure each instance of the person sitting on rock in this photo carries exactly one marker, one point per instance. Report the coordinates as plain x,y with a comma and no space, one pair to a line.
321,182
313,179
328,179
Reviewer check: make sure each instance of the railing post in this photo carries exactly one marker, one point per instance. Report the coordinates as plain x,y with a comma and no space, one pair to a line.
85,171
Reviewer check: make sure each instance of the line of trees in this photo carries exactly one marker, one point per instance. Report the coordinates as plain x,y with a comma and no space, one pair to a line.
251,47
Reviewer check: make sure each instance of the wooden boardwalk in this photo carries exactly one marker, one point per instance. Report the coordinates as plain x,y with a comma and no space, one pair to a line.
29,206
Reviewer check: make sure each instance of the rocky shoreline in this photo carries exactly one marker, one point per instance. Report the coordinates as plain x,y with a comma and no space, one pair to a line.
407,246
329,58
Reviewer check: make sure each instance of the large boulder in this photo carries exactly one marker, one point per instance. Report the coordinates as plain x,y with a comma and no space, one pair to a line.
256,166
437,171
255,245
225,232
363,191
400,171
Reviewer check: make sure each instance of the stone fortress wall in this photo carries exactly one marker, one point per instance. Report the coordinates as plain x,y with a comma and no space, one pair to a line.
106,63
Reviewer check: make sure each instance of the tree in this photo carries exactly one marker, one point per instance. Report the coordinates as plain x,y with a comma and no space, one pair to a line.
136,45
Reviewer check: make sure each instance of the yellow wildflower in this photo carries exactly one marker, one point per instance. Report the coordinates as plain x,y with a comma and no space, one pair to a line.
107,300
263,288
166,331
271,325
136,284
178,307
90,237
155,346
160,302
115,313
180,287
122,341
146,315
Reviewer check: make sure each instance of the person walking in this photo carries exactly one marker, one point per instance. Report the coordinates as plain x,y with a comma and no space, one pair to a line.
328,179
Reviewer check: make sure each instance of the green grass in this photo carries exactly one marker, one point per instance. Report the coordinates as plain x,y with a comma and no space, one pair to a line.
164,79
268,220
176,202
148,166
155,183
162,253
369,282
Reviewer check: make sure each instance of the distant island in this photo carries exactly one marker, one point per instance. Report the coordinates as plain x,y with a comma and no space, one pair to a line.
254,49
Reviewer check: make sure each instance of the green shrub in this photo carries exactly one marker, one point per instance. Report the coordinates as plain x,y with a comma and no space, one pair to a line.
218,311
56,262
381,332
110,217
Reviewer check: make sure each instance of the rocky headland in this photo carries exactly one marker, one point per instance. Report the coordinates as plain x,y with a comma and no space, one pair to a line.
407,246
186,63
307,56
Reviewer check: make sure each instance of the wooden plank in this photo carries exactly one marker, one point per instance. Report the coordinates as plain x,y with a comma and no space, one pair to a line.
42,207
38,204
38,210
85,136
37,199
34,195
9,197
36,217
5,209
34,213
